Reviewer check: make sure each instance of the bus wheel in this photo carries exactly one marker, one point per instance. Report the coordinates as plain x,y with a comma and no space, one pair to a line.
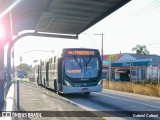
44,83
87,93
55,87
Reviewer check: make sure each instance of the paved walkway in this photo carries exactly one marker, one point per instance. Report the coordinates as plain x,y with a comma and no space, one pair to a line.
38,101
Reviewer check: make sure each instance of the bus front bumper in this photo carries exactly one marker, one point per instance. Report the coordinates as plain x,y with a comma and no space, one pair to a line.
70,89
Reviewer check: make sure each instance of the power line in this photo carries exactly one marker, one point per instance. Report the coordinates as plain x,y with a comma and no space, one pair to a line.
152,44
91,40
148,7
149,10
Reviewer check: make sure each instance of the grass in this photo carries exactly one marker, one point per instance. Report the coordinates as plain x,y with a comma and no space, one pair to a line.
23,80
103,118
144,89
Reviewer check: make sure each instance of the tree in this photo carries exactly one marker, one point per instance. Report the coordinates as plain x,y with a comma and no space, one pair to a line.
141,49
25,68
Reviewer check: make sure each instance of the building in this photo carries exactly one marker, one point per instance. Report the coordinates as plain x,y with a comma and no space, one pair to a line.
107,61
132,67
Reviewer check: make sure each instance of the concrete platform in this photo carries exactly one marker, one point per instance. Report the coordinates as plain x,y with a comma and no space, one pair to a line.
46,103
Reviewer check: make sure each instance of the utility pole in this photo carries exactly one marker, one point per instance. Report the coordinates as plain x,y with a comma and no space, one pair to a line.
102,34
101,46
102,51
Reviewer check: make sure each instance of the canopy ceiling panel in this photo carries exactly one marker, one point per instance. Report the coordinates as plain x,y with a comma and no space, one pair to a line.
59,16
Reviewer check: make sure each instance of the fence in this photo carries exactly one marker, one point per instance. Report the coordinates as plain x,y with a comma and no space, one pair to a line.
136,74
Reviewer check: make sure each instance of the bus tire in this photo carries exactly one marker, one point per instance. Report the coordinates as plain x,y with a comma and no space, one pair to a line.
55,87
87,93
44,83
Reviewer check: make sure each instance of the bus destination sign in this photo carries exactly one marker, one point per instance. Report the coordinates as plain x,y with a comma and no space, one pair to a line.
80,52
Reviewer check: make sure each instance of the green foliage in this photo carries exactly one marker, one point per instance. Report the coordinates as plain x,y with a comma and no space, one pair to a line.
141,49
23,67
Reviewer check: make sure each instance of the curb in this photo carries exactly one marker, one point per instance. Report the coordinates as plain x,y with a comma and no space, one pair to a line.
9,103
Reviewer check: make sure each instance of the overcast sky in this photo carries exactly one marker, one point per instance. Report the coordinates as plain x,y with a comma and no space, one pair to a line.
135,23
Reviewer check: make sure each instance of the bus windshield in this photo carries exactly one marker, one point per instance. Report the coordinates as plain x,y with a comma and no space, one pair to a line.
82,67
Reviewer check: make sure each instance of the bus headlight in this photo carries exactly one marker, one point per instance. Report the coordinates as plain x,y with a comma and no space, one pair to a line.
67,83
100,82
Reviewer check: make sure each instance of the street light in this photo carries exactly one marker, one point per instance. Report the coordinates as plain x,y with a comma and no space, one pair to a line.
21,59
38,51
34,61
34,51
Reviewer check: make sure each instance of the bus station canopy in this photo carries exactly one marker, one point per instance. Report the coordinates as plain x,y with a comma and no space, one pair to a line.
58,16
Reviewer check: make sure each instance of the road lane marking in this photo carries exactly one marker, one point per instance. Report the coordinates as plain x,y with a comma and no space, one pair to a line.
34,99
134,95
80,105
129,100
90,109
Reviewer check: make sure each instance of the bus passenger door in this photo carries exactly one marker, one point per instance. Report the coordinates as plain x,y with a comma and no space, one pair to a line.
60,78
47,77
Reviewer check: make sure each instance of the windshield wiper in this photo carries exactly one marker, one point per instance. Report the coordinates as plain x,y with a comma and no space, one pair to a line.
79,63
87,63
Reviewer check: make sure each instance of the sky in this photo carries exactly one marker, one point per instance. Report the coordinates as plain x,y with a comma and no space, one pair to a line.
137,22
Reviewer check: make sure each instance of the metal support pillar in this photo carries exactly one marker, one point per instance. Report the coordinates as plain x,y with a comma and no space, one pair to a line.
18,101
8,69
1,75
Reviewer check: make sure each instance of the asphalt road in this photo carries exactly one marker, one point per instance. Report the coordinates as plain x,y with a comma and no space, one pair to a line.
132,106
107,104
